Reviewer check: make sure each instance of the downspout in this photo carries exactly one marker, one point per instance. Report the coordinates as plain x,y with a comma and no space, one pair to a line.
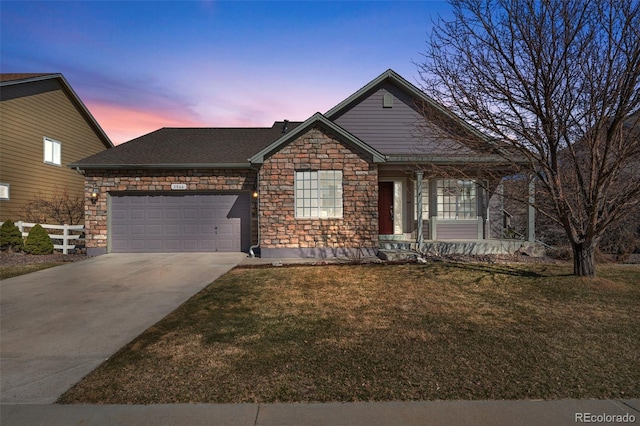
251,252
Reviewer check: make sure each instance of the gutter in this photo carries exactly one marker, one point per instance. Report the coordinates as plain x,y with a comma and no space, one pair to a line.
409,159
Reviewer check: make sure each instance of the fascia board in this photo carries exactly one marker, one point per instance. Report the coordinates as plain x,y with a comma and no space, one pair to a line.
86,112
75,98
408,159
30,79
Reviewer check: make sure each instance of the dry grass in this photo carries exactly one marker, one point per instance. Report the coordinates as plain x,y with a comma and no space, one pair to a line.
16,264
395,332
17,270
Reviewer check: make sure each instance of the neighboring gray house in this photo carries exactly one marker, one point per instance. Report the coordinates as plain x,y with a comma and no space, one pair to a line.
360,176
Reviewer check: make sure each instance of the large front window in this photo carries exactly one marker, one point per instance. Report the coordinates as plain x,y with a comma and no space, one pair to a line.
457,199
318,194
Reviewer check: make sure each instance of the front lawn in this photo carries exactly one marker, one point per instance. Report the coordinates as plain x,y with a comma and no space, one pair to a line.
386,332
17,270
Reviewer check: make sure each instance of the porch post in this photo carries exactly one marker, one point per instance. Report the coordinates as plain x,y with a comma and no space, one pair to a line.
531,211
420,236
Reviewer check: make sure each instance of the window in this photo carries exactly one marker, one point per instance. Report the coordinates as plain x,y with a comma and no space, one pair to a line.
457,199
318,194
52,150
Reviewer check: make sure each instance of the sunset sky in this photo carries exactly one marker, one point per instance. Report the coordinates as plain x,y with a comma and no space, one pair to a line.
142,65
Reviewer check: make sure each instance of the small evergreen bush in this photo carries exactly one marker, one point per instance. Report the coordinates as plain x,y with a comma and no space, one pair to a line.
10,237
38,241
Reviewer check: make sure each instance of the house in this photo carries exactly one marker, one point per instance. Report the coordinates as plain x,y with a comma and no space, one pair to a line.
44,126
358,177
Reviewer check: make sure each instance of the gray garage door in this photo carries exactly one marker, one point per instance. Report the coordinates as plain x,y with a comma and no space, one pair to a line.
180,223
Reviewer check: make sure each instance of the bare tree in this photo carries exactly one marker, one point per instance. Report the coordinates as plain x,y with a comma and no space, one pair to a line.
556,83
59,208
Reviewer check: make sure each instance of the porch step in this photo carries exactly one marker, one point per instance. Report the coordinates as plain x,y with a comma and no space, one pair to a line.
470,247
397,255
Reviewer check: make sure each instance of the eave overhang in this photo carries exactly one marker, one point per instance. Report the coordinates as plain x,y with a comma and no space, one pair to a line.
160,166
75,98
448,159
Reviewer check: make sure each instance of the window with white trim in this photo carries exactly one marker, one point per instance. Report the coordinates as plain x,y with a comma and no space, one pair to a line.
318,194
52,152
457,199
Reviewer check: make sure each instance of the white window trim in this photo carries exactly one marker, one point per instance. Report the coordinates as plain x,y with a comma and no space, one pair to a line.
52,157
457,204
318,190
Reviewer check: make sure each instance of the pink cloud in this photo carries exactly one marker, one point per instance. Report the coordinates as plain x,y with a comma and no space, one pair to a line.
122,123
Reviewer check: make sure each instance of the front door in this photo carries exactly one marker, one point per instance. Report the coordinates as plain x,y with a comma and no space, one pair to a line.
385,208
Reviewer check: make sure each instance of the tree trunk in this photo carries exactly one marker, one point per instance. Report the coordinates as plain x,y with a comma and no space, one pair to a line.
584,260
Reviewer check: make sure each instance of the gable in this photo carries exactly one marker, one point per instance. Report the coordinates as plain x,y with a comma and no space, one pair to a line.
396,129
389,113
320,121
24,87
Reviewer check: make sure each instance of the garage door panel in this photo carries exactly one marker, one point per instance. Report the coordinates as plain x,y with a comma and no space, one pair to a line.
227,245
172,245
154,213
173,230
136,214
190,228
155,245
226,229
137,245
182,222
155,230
209,214
209,245
136,229
189,213
172,213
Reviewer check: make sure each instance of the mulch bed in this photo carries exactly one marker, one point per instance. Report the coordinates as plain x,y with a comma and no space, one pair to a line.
18,259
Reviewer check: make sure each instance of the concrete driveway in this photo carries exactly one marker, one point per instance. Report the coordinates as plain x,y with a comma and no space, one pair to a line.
59,324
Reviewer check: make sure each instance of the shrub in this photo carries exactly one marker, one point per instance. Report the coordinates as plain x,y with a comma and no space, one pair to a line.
10,237
622,238
38,241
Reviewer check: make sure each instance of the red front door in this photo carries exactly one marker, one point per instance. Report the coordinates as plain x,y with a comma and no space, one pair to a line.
385,208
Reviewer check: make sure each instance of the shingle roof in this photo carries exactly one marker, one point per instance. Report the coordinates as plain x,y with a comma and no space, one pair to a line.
22,76
188,147
315,120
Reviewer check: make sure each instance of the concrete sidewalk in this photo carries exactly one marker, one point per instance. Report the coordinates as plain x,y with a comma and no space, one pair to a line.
450,413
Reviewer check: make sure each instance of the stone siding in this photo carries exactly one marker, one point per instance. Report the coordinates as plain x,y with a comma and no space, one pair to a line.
316,150
143,180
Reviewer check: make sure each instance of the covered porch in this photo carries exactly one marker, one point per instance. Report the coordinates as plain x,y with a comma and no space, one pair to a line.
448,214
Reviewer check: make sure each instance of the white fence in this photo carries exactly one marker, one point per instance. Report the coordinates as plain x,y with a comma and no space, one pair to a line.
65,237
